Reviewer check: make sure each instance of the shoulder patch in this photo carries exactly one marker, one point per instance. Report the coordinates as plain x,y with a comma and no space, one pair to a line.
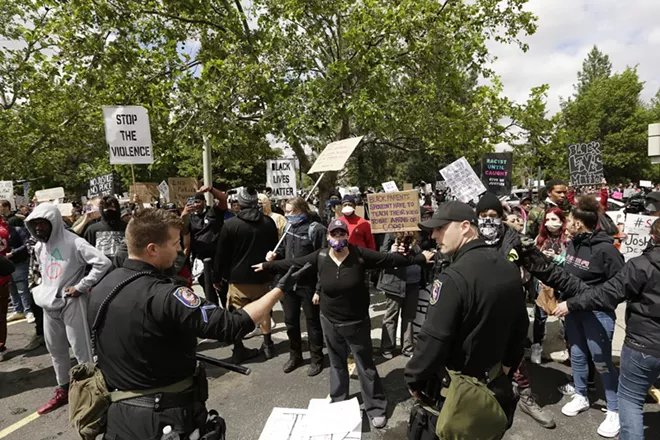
187,297
435,292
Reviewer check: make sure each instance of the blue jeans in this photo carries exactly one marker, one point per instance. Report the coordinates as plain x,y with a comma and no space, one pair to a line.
592,332
638,372
19,290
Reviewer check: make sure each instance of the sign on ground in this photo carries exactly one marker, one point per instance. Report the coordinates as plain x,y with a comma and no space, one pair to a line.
128,135
394,212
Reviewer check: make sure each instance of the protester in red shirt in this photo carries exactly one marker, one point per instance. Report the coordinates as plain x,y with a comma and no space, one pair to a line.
4,288
359,230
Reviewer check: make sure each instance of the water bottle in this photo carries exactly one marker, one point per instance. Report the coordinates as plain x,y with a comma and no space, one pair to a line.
169,434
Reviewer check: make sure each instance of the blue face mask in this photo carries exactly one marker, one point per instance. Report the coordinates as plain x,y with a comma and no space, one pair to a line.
338,245
295,219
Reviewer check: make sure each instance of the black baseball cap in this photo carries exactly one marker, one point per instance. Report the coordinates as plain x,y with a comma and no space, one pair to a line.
348,199
337,224
450,212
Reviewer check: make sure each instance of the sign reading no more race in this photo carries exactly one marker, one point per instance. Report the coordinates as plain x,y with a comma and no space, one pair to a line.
128,135
394,212
281,178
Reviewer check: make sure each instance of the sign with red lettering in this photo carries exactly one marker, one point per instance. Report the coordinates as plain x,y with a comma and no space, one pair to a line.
128,134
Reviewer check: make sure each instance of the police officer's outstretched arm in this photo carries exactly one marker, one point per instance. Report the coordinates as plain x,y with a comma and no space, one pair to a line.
443,319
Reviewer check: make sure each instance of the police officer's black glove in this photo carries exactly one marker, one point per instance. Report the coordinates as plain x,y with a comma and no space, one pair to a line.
289,280
533,259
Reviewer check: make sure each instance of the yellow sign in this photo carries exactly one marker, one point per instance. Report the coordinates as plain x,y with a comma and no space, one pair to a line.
394,212
181,188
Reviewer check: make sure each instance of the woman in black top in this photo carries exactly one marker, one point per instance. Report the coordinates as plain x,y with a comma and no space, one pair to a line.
344,303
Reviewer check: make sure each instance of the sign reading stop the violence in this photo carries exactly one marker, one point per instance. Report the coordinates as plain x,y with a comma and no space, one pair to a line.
128,135
394,212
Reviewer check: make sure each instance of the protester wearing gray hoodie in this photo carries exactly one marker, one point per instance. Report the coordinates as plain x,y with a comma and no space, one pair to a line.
63,257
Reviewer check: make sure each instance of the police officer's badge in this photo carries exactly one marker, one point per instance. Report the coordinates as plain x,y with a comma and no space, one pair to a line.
187,297
435,292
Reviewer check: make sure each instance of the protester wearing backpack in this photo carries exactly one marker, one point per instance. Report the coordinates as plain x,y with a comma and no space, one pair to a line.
303,236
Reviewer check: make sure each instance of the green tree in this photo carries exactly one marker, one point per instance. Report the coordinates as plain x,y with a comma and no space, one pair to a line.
595,67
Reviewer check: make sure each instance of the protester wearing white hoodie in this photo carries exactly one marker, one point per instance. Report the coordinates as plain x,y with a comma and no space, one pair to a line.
63,257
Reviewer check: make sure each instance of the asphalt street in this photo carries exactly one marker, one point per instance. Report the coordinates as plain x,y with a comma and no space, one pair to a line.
27,381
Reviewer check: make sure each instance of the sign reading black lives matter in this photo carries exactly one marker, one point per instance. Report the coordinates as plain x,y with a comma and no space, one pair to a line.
128,135
101,186
281,177
496,173
585,162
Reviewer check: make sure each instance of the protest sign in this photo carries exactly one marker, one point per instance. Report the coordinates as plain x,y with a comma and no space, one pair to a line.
394,212
440,185
638,234
335,155
281,178
646,184
145,191
407,186
628,193
181,188
22,201
101,186
585,163
7,192
128,134
164,190
462,180
46,195
66,209
390,187
496,173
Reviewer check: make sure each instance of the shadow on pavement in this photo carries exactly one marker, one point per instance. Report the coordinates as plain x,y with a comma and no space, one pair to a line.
25,379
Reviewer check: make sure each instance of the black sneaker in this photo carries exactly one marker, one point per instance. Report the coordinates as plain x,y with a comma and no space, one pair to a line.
293,363
314,370
269,350
242,354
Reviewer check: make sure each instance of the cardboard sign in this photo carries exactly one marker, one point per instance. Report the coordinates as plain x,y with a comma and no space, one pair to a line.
646,184
128,134
181,188
390,187
7,192
394,212
496,173
101,186
164,190
585,163
281,177
462,180
66,209
638,234
335,155
144,191
46,195
407,186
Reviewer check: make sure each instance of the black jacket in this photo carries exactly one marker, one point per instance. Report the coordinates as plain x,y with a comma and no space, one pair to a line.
243,242
298,243
394,280
510,241
6,266
638,282
18,244
476,318
593,258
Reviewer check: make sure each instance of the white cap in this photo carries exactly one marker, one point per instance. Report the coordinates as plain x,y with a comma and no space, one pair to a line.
167,430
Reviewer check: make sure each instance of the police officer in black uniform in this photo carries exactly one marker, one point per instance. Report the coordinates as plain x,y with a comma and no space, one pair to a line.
476,316
148,337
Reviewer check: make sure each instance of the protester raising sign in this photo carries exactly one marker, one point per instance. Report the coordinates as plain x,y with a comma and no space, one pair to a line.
638,234
7,192
181,188
585,163
281,178
164,190
462,180
496,173
335,155
128,134
394,212
101,186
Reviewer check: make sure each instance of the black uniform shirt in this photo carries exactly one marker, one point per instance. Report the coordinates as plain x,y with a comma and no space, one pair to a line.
151,328
476,317
204,230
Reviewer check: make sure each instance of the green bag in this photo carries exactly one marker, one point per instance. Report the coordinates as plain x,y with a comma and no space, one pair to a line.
470,410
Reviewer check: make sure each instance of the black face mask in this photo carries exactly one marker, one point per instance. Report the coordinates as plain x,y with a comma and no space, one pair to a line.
112,217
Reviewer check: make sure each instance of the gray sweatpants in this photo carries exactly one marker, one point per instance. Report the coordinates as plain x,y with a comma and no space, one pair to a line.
64,327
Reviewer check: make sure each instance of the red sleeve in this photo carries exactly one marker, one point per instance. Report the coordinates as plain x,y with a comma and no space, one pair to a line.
571,197
368,236
604,194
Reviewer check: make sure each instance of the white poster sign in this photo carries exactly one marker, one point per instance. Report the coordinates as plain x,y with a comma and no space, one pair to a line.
164,190
46,195
66,209
281,177
335,155
463,181
646,184
7,192
638,234
390,187
128,134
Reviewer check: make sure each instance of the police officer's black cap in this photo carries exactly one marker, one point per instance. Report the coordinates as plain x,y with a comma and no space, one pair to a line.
450,212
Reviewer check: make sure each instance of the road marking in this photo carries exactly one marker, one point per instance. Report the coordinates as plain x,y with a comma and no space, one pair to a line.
18,425
16,322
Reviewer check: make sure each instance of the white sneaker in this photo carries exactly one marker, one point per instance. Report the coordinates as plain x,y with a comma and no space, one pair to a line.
537,351
575,406
567,389
273,324
610,426
29,317
2,355
15,317
253,333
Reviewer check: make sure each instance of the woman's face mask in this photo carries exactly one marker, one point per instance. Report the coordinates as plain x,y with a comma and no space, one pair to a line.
338,245
489,228
295,219
348,210
553,226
